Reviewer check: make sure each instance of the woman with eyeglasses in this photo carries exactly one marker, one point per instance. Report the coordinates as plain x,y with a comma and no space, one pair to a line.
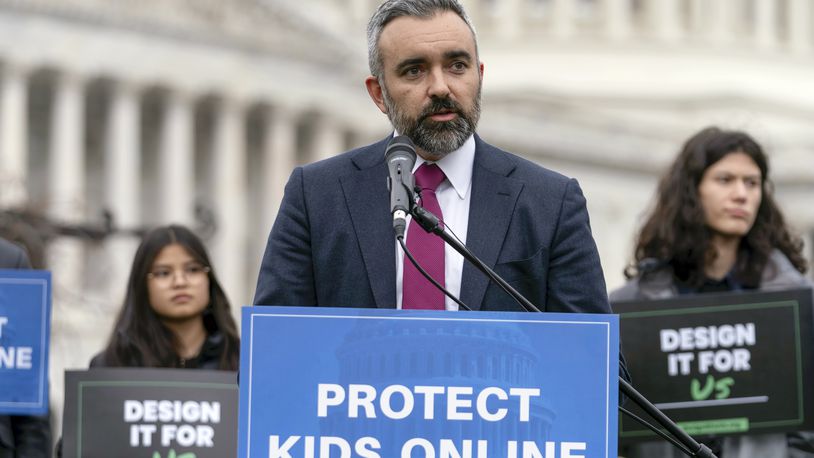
175,312
715,227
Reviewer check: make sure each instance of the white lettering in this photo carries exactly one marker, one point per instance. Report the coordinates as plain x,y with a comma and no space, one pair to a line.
525,394
141,435
407,449
15,357
669,340
724,360
407,404
152,411
708,337
328,395
398,402
483,398
429,393
278,451
448,449
364,447
133,411
454,403
326,442
187,435
679,363
566,449
361,396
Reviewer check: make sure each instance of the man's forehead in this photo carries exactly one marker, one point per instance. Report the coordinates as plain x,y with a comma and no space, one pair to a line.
442,31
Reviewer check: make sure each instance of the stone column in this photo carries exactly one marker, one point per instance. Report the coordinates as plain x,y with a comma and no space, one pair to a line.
359,12
176,161
229,245
665,20
123,181
563,15
721,20
765,24
279,159
13,136
327,137
508,19
800,25
698,21
617,15
67,182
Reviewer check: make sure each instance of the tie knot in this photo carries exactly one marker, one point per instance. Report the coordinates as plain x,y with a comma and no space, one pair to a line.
429,176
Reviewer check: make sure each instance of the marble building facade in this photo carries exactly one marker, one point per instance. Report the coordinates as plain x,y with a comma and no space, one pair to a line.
144,112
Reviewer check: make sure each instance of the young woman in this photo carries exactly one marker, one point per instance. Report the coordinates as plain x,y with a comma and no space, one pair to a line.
716,227
175,312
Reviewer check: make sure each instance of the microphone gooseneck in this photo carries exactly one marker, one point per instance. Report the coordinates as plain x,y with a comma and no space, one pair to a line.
400,157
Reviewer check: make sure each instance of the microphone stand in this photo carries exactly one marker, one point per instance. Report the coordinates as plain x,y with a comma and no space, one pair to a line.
431,223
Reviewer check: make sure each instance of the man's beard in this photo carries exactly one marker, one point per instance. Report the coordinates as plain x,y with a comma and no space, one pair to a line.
435,138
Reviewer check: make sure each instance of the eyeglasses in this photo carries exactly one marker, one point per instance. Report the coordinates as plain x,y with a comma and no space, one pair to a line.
193,273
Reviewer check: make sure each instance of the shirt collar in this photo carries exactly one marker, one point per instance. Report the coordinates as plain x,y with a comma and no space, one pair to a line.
457,166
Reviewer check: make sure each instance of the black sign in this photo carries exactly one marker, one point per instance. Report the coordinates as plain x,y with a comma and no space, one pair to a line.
150,413
722,364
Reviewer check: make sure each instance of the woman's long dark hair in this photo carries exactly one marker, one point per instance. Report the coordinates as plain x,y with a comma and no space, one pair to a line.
139,338
676,234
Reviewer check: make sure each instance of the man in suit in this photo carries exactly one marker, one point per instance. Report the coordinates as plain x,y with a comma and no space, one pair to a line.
333,243
21,436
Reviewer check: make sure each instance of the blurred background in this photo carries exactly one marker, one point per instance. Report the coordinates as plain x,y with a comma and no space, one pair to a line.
117,116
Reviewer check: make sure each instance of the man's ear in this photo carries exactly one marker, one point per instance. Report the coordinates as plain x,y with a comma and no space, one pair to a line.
374,89
480,69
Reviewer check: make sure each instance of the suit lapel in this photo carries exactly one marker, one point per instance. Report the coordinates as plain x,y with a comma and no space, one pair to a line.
494,195
368,202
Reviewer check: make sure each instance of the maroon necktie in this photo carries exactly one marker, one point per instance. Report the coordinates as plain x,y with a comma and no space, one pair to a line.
426,248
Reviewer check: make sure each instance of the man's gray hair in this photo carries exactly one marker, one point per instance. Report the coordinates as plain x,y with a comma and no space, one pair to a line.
391,9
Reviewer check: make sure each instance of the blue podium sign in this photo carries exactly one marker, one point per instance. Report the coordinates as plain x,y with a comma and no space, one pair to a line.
372,383
25,323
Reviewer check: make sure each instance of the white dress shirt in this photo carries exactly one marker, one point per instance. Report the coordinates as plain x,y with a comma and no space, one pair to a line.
453,196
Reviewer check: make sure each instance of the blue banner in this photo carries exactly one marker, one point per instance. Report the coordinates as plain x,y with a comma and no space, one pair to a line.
25,329
373,383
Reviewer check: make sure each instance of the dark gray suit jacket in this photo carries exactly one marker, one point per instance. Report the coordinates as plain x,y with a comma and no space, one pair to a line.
21,436
333,243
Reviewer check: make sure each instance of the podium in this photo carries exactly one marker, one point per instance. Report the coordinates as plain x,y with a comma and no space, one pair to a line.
349,382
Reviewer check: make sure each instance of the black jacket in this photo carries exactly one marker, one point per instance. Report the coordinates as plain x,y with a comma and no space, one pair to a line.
208,358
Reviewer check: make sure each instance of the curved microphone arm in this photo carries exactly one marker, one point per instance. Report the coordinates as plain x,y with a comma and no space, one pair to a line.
689,446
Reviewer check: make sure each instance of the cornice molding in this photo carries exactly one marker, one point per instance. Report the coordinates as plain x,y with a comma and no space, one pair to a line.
246,25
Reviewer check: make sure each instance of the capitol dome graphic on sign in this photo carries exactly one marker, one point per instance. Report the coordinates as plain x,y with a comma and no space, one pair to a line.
441,354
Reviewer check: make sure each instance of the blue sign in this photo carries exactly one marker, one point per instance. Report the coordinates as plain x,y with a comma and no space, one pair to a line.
25,329
375,383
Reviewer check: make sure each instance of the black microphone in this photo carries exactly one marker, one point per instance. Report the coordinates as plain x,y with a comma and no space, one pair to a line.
400,157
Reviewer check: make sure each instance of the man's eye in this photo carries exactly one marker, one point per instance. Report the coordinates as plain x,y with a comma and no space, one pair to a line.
459,66
413,71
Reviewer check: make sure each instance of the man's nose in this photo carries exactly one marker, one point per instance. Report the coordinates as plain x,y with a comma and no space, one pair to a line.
438,84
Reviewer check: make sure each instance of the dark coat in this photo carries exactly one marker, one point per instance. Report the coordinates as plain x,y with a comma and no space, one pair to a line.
333,242
208,358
